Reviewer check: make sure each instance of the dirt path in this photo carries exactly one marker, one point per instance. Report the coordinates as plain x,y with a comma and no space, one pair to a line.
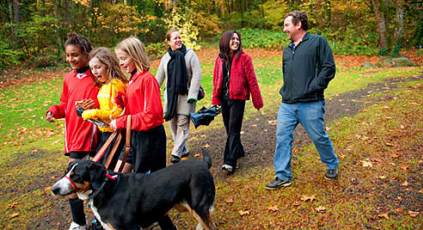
258,135
258,139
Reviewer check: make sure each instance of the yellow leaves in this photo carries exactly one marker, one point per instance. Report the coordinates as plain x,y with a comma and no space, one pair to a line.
85,3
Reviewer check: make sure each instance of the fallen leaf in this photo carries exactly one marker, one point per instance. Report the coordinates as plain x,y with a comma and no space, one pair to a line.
405,184
47,189
389,144
413,213
253,125
229,200
272,122
13,205
296,203
366,163
244,213
273,208
206,145
320,209
242,132
13,215
394,155
421,190
382,177
308,198
402,126
399,210
384,215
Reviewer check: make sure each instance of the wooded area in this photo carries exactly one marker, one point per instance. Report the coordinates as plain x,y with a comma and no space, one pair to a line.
34,31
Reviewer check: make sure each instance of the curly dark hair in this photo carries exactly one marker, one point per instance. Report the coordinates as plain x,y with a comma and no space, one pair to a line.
299,16
79,40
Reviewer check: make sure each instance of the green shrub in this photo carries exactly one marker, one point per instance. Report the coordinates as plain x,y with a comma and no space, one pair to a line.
258,38
8,56
156,50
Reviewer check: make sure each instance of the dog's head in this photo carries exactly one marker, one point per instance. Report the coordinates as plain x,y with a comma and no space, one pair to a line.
82,177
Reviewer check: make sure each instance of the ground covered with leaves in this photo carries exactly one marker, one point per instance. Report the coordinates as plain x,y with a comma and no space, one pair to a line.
374,117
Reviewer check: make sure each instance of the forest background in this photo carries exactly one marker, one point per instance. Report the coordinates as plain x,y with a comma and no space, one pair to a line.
33,32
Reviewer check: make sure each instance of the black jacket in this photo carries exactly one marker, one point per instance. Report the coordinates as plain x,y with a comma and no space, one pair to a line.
307,70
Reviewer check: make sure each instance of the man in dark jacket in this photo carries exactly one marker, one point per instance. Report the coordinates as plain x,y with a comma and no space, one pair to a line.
308,66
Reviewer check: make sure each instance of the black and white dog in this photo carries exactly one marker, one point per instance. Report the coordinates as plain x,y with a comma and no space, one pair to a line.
131,201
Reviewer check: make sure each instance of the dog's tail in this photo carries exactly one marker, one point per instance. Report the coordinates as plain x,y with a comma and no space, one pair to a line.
206,157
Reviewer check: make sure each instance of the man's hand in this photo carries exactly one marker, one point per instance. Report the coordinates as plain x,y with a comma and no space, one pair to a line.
49,117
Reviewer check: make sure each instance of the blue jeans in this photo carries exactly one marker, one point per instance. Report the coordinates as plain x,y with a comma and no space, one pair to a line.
311,117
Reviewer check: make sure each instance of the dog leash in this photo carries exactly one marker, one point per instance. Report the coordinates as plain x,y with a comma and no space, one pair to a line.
127,143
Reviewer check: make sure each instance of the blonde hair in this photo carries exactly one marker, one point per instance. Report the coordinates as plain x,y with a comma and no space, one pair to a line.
105,56
135,50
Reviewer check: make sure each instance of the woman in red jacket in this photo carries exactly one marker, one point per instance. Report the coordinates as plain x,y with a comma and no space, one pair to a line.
234,80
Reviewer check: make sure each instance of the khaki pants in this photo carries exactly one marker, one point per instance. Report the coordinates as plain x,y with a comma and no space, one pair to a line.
179,125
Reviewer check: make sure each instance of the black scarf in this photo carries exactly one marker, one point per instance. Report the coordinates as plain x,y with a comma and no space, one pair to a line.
177,80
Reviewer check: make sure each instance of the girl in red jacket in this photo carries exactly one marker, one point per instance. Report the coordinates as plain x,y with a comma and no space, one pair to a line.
79,88
233,81
148,138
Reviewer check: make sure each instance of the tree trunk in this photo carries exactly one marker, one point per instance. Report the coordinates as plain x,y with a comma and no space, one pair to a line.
16,13
399,30
381,26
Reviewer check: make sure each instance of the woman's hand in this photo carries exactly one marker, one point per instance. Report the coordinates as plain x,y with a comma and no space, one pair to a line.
85,104
113,125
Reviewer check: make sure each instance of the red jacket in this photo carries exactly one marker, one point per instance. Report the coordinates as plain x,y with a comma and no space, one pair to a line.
80,135
242,81
143,103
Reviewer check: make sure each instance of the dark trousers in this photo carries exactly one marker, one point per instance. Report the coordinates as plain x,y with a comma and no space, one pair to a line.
149,149
232,113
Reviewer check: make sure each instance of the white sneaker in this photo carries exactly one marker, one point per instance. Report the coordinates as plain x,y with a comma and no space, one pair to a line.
75,226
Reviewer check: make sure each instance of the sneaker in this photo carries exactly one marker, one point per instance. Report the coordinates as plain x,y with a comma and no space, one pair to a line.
228,168
278,183
332,174
175,159
75,226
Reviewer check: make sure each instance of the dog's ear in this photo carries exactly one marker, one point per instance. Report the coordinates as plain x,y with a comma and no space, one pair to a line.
97,174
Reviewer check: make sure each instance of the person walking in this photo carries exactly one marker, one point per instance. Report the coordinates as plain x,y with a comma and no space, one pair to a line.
308,66
181,69
79,89
234,80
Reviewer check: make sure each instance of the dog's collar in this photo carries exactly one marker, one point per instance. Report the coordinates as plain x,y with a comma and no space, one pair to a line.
73,185
106,179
